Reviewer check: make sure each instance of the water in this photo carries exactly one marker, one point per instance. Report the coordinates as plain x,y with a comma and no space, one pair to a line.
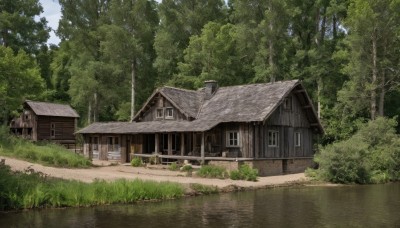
347,206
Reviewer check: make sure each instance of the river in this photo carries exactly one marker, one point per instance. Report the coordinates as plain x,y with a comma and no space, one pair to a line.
343,206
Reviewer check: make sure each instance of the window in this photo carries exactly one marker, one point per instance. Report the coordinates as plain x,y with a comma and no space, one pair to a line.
273,138
26,116
232,139
52,130
287,103
95,143
297,139
169,113
113,144
160,113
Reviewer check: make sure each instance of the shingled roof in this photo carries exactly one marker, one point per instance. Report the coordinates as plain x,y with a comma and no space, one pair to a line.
243,103
51,109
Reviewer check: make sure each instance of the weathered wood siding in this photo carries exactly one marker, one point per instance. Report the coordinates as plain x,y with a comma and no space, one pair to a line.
64,128
161,102
286,122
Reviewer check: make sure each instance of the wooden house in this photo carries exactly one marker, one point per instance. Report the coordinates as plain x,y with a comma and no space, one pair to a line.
271,127
41,121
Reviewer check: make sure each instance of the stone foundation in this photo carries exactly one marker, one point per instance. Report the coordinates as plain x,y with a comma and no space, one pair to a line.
269,167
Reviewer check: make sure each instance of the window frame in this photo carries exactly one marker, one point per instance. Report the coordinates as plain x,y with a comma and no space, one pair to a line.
166,114
287,103
297,139
52,130
229,139
273,138
161,112
113,143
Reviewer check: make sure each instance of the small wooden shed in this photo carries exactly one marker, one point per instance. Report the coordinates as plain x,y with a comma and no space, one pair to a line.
41,121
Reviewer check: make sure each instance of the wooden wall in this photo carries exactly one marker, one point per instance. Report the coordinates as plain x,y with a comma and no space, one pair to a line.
64,128
161,102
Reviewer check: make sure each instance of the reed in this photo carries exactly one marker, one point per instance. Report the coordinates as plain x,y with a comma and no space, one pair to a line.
29,189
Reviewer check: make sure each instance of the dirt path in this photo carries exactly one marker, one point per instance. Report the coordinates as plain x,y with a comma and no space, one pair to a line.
125,171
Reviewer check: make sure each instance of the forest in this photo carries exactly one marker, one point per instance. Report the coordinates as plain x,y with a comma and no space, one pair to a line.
346,52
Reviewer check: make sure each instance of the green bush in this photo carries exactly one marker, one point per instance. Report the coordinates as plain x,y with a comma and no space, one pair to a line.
187,168
204,189
210,171
173,166
136,162
372,155
245,172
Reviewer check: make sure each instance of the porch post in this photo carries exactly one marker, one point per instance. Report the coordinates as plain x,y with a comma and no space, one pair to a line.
169,143
202,148
157,143
182,143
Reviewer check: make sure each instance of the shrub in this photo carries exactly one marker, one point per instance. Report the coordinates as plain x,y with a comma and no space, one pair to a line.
245,172
136,162
210,171
372,155
173,166
187,168
204,189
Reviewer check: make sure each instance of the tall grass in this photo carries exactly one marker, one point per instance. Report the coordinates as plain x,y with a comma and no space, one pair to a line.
20,190
210,171
44,153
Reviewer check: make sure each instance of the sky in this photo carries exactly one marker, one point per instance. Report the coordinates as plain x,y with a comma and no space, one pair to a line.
52,13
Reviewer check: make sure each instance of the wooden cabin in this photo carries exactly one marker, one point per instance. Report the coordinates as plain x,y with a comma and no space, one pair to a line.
43,121
270,126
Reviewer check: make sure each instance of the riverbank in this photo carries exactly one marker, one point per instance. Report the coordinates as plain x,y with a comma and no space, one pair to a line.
109,172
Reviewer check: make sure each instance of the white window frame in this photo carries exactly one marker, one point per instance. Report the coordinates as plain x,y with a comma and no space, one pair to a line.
167,116
297,139
161,112
230,142
273,138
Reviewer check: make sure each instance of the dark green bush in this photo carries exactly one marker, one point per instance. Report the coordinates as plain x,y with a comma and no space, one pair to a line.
173,166
210,171
372,155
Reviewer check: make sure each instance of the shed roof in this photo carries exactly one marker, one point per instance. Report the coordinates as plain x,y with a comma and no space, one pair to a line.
51,109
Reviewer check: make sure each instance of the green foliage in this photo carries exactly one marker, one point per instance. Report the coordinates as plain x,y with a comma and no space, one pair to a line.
173,166
372,155
19,79
20,190
210,171
45,153
187,168
245,172
136,162
204,189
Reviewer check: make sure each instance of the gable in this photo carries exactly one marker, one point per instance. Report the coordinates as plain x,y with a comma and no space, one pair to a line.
159,104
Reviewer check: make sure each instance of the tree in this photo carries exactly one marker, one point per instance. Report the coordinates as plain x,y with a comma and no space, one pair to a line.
19,79
18,27
179,20
373,54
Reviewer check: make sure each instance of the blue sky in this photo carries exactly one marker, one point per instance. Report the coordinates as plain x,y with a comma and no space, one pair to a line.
52,13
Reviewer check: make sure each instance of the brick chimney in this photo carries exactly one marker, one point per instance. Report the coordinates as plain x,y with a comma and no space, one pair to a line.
210,87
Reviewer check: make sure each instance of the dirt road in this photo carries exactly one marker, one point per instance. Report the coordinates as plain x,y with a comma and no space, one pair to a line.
126,171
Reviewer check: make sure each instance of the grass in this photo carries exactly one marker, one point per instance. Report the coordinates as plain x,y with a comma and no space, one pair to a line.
136,162
173,166
204,189
210,171
245,172
29,189
45,153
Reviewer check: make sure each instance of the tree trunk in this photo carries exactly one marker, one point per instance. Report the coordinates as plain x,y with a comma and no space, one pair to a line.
89,113
271,47
133,90
319,90
382,95
95,108
374,75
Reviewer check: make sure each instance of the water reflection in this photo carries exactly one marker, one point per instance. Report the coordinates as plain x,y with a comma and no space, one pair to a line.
349,206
